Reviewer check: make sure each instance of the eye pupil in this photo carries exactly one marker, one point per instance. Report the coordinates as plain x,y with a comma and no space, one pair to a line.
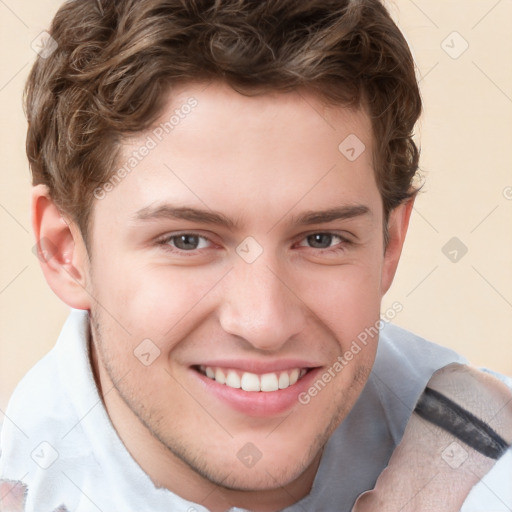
320,240
186,241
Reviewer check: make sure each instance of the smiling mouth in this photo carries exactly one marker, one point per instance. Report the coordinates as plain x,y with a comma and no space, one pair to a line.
253,382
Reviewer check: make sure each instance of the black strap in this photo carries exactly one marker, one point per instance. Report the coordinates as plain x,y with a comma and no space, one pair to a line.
441,411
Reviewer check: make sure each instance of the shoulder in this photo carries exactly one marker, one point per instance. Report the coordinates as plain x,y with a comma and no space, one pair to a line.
415,352
42,439
28,405
404,357
34,411
41,398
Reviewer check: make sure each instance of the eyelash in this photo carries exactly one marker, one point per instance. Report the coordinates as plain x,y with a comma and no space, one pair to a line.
340,246
164,242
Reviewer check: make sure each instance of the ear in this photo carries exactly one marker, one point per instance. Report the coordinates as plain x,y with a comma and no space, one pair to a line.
398,223
60,249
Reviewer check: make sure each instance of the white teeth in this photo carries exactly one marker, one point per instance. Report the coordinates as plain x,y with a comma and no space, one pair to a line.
294,376
284,380
269,382
219,376
252,382
233,380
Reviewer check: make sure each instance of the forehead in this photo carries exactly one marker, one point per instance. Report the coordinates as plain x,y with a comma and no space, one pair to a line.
270,154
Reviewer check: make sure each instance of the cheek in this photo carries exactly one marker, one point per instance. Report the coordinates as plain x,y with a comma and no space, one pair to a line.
345,298
158,302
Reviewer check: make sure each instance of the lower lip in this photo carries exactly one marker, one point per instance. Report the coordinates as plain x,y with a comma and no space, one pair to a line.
262,403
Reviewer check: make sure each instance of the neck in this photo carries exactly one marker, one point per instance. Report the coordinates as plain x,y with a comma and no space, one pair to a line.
166,470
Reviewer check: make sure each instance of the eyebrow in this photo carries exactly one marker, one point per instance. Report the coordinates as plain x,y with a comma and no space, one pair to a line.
171,212
184,213
337,213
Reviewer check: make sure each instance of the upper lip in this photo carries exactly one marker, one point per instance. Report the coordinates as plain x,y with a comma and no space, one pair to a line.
259,366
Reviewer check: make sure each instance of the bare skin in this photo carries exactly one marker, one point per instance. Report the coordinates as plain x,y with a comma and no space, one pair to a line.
432,470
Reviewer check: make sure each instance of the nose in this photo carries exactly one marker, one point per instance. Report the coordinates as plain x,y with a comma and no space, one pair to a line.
260,306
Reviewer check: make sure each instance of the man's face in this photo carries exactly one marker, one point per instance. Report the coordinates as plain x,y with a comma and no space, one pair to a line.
212,257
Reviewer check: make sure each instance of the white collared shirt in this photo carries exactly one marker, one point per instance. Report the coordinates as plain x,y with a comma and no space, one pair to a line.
60,448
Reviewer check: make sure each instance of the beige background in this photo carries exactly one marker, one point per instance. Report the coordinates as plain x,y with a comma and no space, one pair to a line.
466,157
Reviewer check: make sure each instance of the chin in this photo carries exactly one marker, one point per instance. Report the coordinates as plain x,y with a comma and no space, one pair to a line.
280,463
268,477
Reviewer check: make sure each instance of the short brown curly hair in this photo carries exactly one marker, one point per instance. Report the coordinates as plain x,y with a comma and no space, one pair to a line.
116,60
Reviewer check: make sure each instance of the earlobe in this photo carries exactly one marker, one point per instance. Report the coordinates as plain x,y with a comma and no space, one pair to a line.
60,250
397,228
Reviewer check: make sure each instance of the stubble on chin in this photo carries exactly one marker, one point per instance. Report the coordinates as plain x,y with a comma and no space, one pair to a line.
162,430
